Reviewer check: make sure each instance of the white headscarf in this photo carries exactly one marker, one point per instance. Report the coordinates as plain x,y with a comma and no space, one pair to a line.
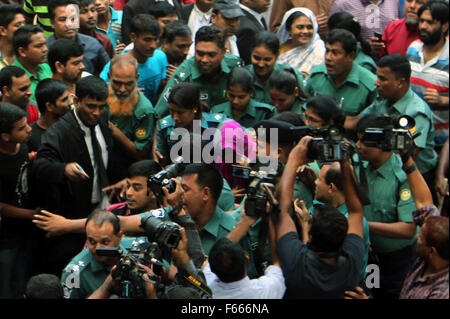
282,33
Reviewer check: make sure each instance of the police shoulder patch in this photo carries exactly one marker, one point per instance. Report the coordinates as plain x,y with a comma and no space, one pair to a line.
405,194
141,132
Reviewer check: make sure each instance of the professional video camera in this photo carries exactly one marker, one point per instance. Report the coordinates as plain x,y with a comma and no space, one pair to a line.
392,138
156,182
257,197
165,233
327,144
129,275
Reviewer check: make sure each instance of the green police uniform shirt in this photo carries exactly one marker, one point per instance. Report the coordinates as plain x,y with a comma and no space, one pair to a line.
356,93
411,104
83,275
212,93
226,199
166,126
364,60
262,90
391,202
139,126
254,113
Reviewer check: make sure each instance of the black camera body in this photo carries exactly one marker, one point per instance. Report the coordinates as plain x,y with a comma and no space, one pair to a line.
392,138
165,233
327,144
129,275
257,197
156,182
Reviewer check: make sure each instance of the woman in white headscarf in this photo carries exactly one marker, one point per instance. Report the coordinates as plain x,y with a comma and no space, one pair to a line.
301,46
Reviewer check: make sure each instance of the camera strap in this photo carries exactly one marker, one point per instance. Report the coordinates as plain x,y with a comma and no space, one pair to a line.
362,187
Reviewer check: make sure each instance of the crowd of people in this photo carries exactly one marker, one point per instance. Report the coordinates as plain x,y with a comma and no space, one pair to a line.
228,149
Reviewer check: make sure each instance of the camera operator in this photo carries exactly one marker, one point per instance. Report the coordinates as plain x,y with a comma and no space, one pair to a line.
87,271
392,230
330,191
332,261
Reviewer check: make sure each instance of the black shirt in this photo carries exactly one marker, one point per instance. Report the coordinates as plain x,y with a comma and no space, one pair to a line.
307,276
14,191
36,134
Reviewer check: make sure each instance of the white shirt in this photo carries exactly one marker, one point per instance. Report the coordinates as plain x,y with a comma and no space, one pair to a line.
198,19
96,196
258,16
269,286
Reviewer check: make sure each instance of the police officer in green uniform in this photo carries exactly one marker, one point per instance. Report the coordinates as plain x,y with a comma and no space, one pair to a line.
209,69
202,184
132,116
396,98
241,106
264,56
352,86
87,271
285,93
392,230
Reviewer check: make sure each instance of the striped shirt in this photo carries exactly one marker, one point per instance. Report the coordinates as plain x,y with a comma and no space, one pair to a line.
39,7
372,17
434,74
417,286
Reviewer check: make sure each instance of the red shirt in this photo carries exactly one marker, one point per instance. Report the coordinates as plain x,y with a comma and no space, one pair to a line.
398,36
119,4
105,42
33,114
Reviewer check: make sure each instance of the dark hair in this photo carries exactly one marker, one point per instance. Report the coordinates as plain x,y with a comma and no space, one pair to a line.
227,260
7,73
294,16
373,120
62,50
243,78
346,21
8,12
267,40
48,90
144,23
44,286
22,36
327,109
176,29
99,217
187,96
436,235
210,33
345,37
286,81
398,64
328,229
161,9
85,3
207,176
333,175
92,87
143,168
438,10
53,4
289,117
9,114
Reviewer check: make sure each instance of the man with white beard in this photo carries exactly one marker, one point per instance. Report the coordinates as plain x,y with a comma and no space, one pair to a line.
132,117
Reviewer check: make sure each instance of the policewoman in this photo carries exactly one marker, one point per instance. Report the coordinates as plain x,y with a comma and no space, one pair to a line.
241,105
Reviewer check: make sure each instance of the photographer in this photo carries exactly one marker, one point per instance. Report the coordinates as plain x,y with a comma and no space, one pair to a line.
392,230
332,262
87,271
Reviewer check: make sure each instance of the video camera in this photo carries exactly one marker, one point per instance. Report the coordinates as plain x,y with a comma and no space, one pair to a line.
129,275
165,233
327,144
257,197
392,138
156,182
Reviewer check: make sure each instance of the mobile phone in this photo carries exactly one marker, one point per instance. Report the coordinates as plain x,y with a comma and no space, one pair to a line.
379,36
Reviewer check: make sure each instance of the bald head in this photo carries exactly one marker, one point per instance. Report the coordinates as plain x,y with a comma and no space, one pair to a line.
124,61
